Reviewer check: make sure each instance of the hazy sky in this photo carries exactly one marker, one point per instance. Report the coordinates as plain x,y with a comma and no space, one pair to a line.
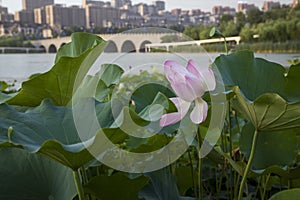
205,5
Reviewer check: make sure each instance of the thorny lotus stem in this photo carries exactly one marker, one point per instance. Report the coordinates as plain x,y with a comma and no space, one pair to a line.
254,142
78,185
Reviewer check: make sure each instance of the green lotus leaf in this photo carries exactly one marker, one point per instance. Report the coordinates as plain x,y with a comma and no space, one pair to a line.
151,89
3,86
162,185
254,76
100,85
287,194
72,63
50,130
239,166
291,89
184,178
147,119
285,172
265,95
269,112
156,109
33,177
4,97
153,143
110,74
115,186
60,133
273,148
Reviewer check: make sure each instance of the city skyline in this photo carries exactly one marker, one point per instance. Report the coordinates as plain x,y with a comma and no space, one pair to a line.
170,4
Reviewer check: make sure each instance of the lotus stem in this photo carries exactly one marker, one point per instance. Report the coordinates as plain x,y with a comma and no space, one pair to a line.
9,133
192,173
225,44
200,178
244,179
265,185
230,147
200,166
84,175
78,184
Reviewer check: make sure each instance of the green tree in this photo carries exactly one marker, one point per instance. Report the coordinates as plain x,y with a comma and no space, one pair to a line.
266,31
254,16
9,41
246,33
225,21
240,21
280,31
276,13
193,32
226,18
230,29
204,34
179,27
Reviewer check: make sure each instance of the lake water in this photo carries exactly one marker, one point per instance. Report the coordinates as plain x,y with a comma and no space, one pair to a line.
20,66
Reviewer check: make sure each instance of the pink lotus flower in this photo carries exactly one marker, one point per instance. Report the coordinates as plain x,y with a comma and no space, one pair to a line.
189,84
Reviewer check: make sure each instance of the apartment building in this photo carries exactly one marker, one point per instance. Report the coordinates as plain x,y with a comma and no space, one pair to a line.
5,17
24,17
268,5
244,7
97,16
60,15
220,10
30,5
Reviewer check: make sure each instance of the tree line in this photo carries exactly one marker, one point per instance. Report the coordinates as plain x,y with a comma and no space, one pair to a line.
280,24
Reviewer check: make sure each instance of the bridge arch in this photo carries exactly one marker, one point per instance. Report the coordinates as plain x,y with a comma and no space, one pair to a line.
62,44
111,47
142,47
130,42
128,47
52,49
43,48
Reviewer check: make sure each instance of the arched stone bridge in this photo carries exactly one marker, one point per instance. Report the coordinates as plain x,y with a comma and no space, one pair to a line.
123,42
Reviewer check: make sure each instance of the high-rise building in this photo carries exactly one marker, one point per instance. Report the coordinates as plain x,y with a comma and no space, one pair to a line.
40,15
76,16
25,17
120,3
5,17
152,9
92,2
60,15
143,9
30,5
101,16
268,5
3,10
2,30
176,11
195,12
160,5
244,7
220,10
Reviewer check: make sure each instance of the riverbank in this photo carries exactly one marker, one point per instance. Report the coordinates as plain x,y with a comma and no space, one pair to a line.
270,47
257,47
21,51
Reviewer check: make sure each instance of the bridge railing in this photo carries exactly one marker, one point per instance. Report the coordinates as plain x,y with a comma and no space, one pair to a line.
21,49
148,47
